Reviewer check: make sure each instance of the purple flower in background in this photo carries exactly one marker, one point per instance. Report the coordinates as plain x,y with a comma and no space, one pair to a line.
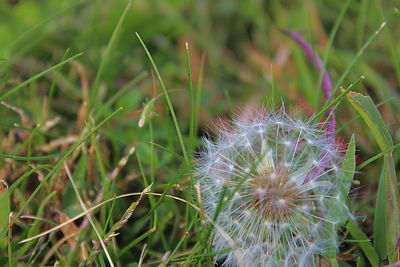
326,82
326,86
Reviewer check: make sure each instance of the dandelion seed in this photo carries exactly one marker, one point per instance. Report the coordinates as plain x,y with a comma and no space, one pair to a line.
277,183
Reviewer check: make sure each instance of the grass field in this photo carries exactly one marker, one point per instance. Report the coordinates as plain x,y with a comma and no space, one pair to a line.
104,105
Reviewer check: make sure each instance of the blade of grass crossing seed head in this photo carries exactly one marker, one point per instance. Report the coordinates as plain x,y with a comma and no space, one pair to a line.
88,215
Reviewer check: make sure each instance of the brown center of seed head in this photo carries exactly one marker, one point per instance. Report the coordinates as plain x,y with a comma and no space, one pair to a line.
274,195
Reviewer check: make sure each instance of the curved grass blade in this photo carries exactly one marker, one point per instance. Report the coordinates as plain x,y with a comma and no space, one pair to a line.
170,107
388,194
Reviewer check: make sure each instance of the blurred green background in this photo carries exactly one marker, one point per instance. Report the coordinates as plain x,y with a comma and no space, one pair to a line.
244,53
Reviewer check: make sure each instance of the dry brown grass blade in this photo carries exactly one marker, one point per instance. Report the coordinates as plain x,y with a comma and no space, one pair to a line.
69,229
142,255
45,108
121,163
48,124
58,142
83,255
20,112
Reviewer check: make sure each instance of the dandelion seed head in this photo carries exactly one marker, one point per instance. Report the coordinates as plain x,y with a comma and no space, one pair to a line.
276,174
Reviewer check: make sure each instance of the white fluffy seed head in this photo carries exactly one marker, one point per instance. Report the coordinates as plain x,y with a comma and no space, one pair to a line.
278,176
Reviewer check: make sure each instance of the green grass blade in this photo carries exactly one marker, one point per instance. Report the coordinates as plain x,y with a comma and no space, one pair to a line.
51,156
171,108
100,164
140,238
380,220
390,194
37,76
192,108
377,156
359,54
53,83
169,151
337,100
4,209
25,175
199,88
107,56
392,48
348,168
364,243
368,111
344,126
